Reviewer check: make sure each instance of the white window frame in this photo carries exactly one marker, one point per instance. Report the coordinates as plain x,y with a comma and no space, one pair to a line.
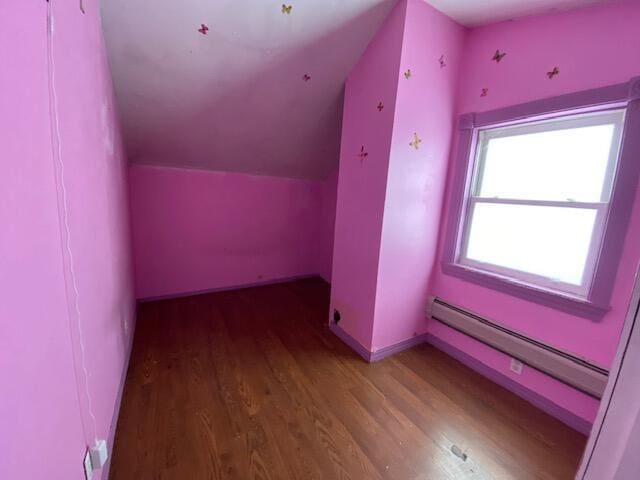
563,121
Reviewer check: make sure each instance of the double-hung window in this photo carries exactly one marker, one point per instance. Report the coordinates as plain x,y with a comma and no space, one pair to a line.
536,202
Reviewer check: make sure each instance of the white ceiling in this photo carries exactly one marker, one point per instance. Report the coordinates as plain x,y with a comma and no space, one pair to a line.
479,12
235,99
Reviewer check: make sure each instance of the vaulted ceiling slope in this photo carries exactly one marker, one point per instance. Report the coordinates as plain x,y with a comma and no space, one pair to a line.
251,86
472,13
236,85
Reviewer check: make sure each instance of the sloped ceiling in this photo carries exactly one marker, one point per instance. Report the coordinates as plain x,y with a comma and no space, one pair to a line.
245,85
479,12
236,97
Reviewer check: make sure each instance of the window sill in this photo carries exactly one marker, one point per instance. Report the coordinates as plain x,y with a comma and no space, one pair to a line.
556,300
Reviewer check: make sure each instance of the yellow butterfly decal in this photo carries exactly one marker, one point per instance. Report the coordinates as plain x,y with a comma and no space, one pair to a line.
416,141
286,8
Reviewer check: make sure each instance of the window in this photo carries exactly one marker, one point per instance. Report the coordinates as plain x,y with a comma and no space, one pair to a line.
535,213
539,196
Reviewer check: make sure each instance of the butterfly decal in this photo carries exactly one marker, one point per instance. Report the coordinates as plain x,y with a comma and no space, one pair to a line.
380,106
407,74
306,77
498,56
441,61
484,92
362,154
203,29
416,141
286,8
553,73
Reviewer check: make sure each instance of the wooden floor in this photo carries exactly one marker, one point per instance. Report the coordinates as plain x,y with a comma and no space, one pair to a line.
250,384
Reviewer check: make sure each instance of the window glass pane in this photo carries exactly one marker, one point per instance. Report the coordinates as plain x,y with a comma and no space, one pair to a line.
568,164
548,241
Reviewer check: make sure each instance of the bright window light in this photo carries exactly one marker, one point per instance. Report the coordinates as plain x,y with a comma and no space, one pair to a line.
538,200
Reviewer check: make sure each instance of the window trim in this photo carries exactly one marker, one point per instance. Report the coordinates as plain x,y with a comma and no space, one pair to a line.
596,303
601,207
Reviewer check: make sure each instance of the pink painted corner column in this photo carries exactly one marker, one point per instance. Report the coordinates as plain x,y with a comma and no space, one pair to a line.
367,126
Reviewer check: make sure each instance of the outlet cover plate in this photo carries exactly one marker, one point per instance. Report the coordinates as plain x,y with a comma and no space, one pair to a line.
516,366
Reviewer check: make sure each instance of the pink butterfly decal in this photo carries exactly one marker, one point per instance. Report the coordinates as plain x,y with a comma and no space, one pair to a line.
498,56
362,154
203,29
484,92
306,77
441,61
380,106
553,73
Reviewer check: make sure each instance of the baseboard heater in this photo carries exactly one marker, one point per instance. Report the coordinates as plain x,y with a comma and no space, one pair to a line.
563,366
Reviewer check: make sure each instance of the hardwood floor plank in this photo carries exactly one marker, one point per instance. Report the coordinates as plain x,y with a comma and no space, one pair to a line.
251,384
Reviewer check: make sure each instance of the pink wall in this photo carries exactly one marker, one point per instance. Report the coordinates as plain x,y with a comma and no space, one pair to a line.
43,401
362,183
416,178
592,47
197,230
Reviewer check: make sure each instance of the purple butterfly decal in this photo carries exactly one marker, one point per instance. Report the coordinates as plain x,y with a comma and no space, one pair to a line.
498,56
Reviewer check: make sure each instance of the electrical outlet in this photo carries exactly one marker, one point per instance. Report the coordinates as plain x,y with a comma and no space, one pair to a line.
516,366
88,468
